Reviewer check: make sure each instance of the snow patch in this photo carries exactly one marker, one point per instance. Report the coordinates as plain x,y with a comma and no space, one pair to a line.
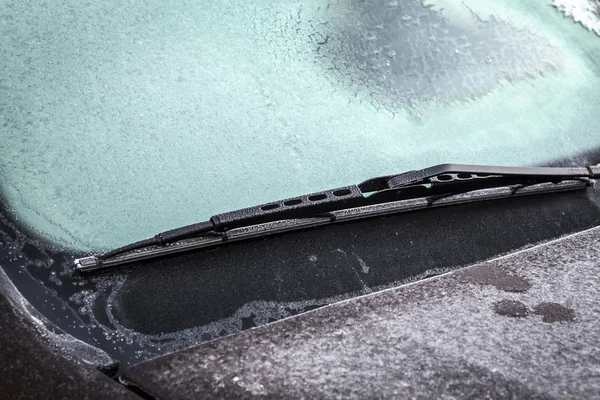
585,12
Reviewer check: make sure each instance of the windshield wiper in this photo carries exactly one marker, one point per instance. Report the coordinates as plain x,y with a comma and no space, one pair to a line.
442,184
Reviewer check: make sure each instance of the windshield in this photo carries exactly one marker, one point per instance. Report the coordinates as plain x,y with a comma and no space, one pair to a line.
122,119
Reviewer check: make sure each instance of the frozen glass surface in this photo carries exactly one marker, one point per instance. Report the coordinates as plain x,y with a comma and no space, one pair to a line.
120,119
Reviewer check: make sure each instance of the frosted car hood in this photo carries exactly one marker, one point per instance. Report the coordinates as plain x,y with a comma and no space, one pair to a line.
520,326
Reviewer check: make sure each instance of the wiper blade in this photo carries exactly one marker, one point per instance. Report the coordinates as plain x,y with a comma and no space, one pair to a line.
387,193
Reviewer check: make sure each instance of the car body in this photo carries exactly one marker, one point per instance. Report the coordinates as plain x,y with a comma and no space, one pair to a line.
124,120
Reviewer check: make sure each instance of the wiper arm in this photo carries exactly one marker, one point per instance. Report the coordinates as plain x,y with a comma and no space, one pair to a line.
431,183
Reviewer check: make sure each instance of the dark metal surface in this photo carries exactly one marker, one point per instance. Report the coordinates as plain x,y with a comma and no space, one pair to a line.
37,363
521,326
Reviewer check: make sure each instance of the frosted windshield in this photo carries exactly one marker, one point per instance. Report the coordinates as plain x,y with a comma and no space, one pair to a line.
120,119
